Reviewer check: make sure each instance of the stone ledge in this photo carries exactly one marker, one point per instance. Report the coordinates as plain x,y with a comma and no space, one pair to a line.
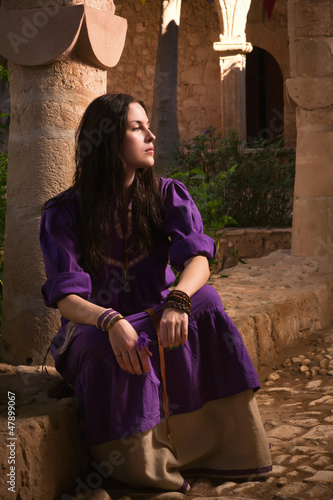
46,443
275,301
247,243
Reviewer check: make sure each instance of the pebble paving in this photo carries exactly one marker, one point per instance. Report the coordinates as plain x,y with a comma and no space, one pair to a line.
296,405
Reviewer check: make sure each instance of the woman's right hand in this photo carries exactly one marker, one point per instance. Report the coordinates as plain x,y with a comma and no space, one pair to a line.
123,339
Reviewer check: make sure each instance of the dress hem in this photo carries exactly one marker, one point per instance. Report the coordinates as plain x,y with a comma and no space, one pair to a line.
226,473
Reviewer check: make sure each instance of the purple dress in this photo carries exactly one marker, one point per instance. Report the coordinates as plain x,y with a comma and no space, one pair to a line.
214,362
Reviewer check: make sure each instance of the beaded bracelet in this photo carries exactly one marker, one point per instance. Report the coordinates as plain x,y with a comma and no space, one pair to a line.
179,296
179,300
177,305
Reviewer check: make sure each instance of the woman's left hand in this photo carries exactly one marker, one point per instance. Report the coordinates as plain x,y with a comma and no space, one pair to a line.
173,327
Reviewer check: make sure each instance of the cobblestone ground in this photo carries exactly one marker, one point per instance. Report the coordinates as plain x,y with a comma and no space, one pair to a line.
296,404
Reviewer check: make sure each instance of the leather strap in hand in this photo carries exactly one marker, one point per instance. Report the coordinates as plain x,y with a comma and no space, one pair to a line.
156,321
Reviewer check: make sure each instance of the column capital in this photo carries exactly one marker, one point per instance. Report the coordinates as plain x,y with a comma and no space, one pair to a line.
232,46
40,36
315,92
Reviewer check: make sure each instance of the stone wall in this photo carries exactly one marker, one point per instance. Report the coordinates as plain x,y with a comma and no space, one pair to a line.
199,87
198,64
311,88
236,244
272,36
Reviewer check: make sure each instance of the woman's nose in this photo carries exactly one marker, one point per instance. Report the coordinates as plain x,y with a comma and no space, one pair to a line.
150,136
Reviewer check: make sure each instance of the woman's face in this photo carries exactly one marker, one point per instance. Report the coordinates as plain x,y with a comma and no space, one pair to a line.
138,148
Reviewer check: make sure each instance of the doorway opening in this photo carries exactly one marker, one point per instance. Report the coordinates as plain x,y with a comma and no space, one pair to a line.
264,97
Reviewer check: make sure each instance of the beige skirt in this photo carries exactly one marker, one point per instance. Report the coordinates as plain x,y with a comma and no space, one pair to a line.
224,439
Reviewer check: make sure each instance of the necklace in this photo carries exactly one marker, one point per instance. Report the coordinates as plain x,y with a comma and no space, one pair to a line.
127,287
125,232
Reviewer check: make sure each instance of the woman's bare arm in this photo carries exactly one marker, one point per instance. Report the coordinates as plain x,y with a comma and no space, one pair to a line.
79,310
122,336
174,323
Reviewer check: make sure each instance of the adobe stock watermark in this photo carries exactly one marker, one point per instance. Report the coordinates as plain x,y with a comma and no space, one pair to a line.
11,442
324,249
160,76
30,27
99,472
93,138
275,127
117,284
95,478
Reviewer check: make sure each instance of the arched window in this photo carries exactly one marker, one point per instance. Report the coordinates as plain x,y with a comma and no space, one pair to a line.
264,97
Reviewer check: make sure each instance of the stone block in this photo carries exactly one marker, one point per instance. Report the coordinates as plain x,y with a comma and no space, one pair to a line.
251,242
40,169
208,102
78,82
247,329
311,56
211,73
321,433
290,489
140,27
48,452
313,227
36,332
47,115
266,347
193,39
312,93
203,53
312,18
324,297
319,122
314,172
285,432
192,76
190,102
291,317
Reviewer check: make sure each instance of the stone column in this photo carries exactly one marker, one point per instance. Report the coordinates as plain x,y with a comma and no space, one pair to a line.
47,101
233,49
311,88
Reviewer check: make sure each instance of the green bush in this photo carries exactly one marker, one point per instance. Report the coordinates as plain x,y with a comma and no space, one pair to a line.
3,187
235,185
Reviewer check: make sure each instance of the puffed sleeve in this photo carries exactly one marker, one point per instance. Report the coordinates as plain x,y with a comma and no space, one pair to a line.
61,252
183,225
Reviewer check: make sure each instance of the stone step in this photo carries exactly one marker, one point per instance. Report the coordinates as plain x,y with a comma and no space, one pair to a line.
41,447
276,301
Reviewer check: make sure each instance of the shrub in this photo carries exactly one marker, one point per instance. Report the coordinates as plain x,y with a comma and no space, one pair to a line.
235,185
3,187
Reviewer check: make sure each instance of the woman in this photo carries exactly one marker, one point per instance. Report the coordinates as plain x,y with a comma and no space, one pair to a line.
154,414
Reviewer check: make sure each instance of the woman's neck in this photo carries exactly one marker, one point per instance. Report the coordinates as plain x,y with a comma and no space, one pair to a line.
128,192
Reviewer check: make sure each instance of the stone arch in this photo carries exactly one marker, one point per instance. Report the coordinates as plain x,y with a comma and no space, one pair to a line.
272,42
278,46
264,97
232,16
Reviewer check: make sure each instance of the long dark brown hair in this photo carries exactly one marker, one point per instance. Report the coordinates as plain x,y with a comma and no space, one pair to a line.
99,181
